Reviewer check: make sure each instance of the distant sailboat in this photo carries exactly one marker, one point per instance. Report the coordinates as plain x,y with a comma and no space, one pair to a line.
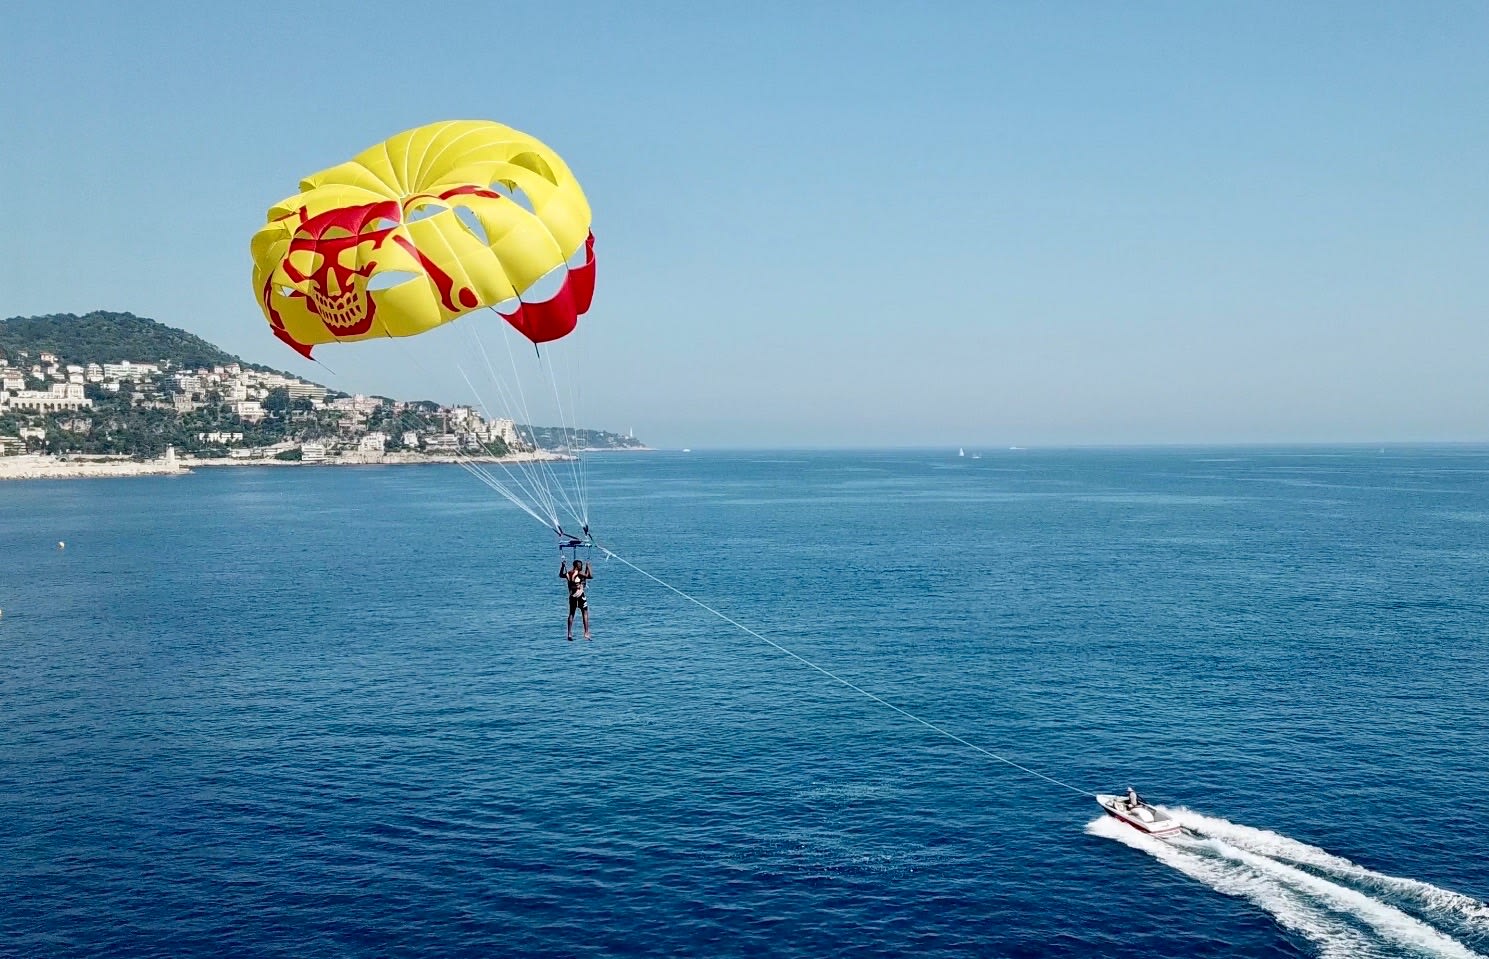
960,451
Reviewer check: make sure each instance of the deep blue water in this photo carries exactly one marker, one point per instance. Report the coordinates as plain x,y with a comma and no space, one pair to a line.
331,712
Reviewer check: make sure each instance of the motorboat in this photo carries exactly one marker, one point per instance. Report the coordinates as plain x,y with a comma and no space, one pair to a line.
1140,815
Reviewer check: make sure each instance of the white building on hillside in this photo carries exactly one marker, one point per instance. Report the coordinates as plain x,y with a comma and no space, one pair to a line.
358,404
502,429
61,396
301,390
125,370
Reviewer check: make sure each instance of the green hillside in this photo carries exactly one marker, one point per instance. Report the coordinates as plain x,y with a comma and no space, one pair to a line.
103,337
142,416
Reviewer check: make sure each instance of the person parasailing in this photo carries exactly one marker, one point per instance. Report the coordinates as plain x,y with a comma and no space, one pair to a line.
575,577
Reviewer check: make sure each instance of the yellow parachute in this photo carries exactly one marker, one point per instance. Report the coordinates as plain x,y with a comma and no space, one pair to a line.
423,228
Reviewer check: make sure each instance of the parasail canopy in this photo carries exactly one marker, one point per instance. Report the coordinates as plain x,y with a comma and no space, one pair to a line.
423,228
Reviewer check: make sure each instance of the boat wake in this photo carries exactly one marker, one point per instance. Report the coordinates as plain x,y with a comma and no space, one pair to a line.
1342,908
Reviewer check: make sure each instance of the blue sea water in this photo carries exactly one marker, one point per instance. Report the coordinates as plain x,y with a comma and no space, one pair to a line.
309,712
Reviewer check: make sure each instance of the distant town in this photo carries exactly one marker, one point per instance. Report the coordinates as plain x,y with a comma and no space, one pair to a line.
231,410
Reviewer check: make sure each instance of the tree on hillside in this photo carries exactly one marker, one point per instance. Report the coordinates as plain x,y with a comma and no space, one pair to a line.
277,402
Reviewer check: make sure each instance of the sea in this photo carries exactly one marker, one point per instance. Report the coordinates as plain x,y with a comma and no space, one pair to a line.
847,703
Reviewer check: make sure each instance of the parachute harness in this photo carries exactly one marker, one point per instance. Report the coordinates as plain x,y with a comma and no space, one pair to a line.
574,544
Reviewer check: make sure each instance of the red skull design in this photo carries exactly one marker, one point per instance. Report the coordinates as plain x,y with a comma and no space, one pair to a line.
338,282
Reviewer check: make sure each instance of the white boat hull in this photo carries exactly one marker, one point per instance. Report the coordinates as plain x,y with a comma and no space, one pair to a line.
1143,817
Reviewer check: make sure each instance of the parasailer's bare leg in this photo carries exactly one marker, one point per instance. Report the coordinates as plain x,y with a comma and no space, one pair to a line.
584,612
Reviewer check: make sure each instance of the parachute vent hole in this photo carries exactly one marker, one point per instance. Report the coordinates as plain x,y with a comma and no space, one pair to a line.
514,193
547,286
383,223
535,163
579,257
426,210
330,233
388,279
288,291
472,224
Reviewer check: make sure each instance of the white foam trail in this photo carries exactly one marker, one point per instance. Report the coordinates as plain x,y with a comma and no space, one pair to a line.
1435,901
1335,938
1339,920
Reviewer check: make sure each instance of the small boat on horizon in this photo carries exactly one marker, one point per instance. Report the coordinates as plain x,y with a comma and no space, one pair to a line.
1140,815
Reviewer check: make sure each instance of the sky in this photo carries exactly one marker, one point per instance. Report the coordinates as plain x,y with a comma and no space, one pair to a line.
853,224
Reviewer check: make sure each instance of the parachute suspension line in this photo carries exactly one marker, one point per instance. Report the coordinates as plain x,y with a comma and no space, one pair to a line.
529,502
532,481
578,508
543,467
407,422
611,554
577,367
465,461
517,478
515,401
495,484
570,423
527,481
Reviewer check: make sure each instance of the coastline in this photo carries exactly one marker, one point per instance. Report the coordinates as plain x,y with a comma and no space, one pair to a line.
29,466
381,459
39,466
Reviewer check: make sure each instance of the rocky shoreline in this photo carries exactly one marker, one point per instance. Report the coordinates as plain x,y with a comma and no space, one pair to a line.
40,466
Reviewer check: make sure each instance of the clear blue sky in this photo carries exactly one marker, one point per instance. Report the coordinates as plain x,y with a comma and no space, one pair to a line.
862,223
